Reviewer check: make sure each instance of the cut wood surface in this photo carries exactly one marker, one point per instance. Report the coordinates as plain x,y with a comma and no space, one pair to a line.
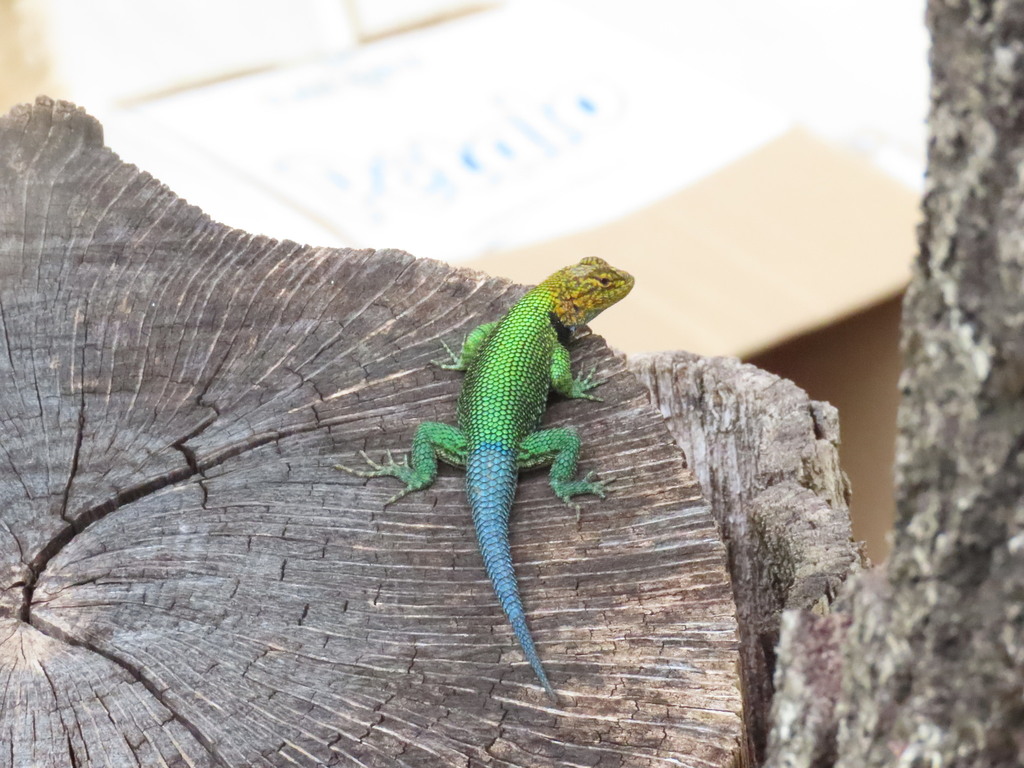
767,459
189,582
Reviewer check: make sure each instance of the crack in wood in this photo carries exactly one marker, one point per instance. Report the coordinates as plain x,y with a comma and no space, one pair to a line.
80,429
136,674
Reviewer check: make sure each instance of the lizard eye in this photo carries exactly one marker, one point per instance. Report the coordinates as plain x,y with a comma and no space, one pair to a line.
604,281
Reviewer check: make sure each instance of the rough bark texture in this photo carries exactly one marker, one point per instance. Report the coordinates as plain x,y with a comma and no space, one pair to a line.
943,665
187,581
767,460
932,670
809,676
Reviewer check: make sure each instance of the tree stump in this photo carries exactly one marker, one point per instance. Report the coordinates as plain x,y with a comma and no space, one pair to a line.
767,459
188,580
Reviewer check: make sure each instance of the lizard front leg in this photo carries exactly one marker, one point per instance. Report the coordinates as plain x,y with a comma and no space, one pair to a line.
432,441
559,447
470,347
563,382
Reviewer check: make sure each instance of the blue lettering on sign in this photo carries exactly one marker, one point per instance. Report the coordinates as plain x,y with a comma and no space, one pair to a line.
439,170
337,179
469,160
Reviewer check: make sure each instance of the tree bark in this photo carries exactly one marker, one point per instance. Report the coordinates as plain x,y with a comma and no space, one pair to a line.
188,581
929,659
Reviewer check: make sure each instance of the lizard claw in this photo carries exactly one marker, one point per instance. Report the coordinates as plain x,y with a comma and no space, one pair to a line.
566,490
402,493
358,472
585,383
373,464
601,487
385,467
453,363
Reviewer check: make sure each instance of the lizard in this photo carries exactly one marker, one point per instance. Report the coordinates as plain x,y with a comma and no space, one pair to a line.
511,365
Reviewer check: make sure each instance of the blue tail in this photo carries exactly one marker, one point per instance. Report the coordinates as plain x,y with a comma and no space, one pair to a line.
491,475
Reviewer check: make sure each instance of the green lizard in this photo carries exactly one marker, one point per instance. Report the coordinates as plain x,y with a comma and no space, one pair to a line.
511,365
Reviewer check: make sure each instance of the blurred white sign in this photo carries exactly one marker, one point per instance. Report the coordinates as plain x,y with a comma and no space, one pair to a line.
105,51
492,131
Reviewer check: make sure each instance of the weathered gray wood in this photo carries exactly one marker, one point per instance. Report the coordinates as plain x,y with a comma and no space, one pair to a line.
930,656
767,460
64,705
188,581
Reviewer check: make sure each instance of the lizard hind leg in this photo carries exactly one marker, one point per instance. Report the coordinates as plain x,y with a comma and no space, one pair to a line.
432,441
559,447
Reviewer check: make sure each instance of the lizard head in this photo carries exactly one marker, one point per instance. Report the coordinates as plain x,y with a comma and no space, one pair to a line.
581,292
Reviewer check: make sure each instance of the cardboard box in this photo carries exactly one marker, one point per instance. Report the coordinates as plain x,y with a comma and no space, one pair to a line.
790,238
792,257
